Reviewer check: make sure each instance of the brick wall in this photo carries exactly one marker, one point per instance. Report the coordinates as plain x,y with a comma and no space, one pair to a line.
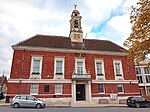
48,70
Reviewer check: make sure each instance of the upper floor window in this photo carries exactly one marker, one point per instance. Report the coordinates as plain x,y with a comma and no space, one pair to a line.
118,68
99,67
59,66
148,78
120,88
140,79
101,88
138,70
58,88
36,65
80,66
147,70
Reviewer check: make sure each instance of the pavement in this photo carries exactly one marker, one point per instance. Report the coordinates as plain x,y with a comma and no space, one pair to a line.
2,103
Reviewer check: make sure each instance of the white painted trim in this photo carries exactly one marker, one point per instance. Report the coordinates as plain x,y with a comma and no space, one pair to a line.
61,85
67,81
63,66
80,60
103,88
103,70
114,81
121,70
40,80
31,68
37,89
122,88
68,50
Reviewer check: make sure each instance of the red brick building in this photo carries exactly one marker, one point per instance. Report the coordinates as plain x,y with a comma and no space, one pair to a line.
71,69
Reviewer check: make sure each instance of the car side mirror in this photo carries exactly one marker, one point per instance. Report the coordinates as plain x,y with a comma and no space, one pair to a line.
34,99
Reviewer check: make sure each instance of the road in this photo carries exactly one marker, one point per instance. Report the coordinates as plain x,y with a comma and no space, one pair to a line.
61,109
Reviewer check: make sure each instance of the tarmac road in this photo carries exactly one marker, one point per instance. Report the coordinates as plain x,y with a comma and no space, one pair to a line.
68,109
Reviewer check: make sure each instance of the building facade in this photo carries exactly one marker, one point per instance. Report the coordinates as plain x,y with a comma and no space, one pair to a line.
71,69
143,76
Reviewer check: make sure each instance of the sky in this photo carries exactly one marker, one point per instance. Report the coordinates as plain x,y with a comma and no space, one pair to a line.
22,19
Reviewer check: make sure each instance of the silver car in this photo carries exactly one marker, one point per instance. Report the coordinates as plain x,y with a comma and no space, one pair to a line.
27,101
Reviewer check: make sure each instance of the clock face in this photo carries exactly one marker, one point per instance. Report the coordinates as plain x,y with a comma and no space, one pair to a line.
76,23
77,36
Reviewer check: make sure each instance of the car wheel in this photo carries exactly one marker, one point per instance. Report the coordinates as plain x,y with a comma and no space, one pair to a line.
16,105
137,105
38,106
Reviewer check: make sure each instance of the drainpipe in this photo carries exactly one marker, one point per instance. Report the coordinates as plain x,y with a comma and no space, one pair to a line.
21,72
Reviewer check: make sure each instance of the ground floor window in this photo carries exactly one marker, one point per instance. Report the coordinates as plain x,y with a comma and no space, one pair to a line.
46,88
101,88
120,88
142,91
34,89
148,91
58,88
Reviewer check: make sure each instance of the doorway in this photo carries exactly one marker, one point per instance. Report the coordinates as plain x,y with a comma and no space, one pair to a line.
80,92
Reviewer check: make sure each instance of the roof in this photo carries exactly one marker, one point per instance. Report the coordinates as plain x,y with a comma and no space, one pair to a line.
61,42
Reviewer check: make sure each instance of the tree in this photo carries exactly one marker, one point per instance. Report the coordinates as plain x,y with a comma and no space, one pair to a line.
138,43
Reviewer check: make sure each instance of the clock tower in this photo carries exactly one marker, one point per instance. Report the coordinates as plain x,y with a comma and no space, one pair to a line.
76,33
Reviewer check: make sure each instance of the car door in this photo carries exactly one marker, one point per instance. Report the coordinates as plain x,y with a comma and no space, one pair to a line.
142,101
23,101
31,101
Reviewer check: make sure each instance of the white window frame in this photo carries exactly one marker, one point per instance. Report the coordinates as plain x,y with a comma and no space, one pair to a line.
140,79
36,76
34,93
121,70
36,58
121,86
148,91
80,60
103,89
146,69
63,66
147,78
142,91
138,70
103,70
56,88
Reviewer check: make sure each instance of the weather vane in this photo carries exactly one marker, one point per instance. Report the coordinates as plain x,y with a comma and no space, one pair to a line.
75,6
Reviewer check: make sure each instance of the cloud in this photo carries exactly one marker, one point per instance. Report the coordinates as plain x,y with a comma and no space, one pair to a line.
21,19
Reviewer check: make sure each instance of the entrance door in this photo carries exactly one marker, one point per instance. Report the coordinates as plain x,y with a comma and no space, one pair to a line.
80,92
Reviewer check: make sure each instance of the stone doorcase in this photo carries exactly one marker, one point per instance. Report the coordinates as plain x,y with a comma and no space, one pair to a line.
87,90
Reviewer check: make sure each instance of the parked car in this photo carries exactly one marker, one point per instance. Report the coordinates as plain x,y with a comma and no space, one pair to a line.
2,95
137,101
27,101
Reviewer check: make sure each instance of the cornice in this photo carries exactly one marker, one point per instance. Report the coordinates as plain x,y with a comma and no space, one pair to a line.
67,50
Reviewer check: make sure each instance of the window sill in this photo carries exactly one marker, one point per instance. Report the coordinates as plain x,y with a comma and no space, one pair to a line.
101,93
33,93
58,93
